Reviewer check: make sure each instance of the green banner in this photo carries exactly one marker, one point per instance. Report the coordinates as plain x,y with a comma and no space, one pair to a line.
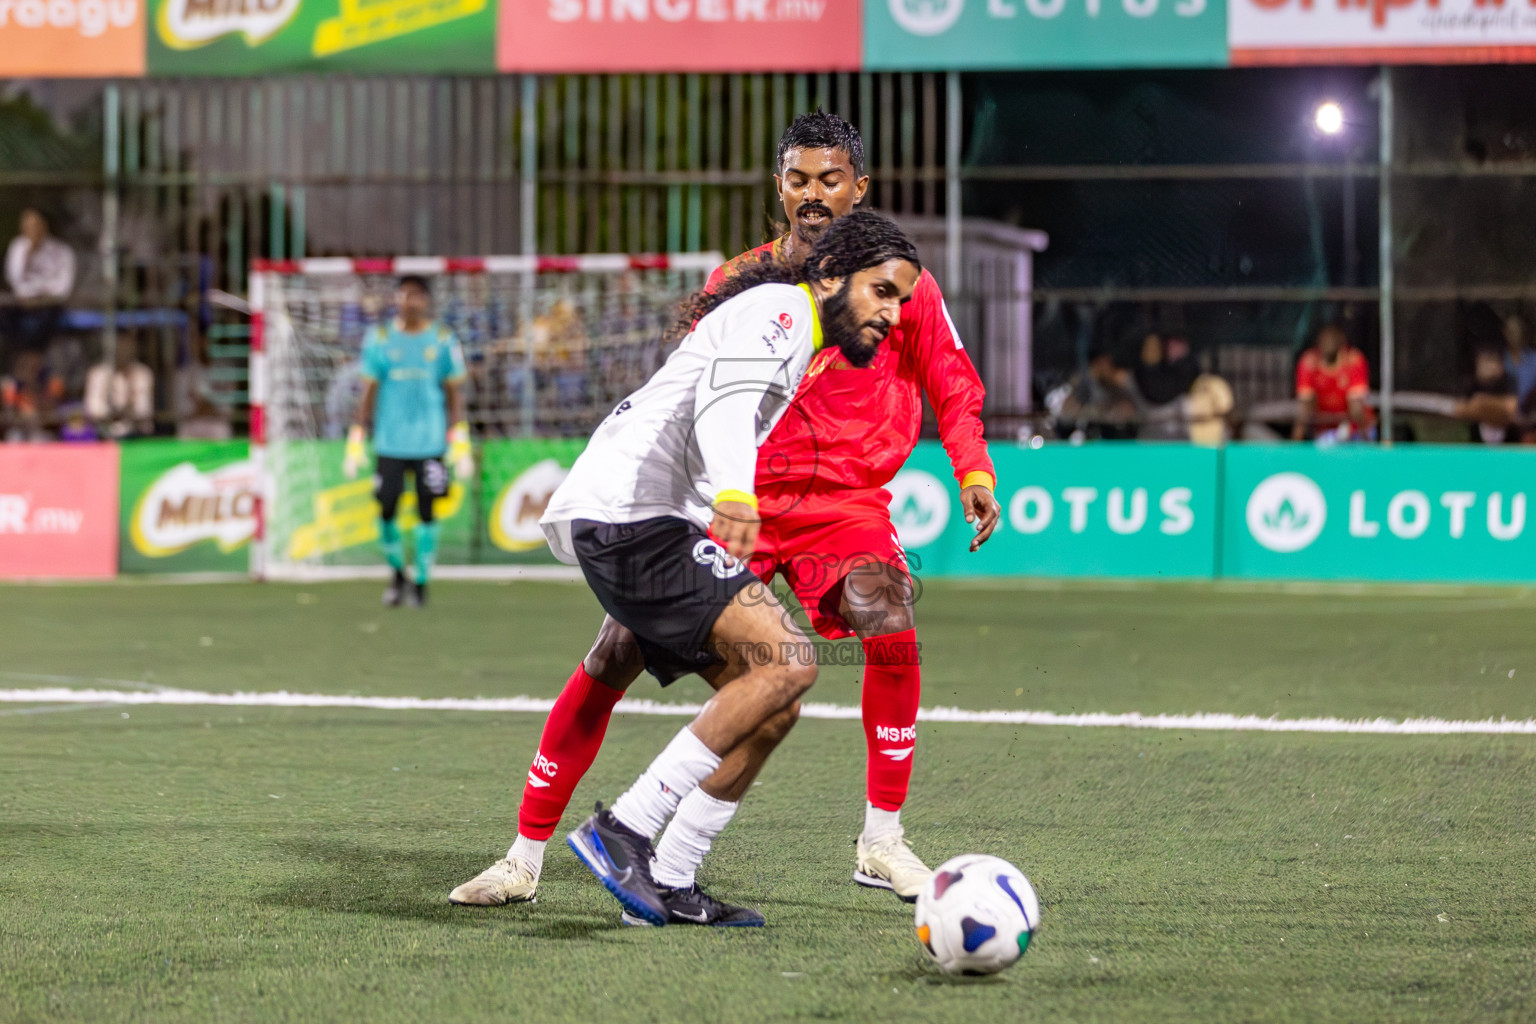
1170,511
517,478
1361,512
322,518
1002,34
187,506
1094,510
208,37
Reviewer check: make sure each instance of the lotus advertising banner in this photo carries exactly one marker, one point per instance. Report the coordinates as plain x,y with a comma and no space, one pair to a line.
1093,510
213,37
1005,34
555,36
1420,512
187,507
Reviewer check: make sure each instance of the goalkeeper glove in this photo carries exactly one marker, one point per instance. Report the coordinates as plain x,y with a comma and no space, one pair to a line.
357,451
460,455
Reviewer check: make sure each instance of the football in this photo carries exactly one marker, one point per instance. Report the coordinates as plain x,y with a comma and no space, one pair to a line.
976,915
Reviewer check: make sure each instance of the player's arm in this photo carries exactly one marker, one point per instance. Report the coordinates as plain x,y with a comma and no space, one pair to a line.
1306,399
956,393
362,419
1359,387
727,403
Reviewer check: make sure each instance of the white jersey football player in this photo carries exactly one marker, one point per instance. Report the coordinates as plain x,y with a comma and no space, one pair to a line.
659,512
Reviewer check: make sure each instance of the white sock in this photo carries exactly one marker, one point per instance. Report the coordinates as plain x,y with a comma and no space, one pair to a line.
878,823
646,806
530,850
685,843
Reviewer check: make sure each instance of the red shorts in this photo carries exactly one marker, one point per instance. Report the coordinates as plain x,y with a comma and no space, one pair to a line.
817,544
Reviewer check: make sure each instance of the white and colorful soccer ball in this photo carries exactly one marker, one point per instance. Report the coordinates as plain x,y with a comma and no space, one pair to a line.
976,915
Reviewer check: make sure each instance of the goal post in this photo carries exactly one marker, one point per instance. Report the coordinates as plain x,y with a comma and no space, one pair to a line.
551,343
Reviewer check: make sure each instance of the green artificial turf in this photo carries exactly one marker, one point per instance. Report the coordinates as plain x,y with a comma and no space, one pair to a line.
209,864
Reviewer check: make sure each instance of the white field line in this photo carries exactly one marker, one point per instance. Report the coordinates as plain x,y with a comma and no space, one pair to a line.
539,705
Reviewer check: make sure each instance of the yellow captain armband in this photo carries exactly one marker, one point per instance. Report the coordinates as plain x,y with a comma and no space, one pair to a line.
981,477
738,496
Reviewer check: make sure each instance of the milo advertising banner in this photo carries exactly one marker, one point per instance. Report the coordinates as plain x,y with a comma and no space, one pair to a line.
517,478
215,37
1094,510
187,506
1420,512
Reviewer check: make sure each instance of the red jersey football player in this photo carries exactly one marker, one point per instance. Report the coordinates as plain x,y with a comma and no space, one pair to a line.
826,527
1332,380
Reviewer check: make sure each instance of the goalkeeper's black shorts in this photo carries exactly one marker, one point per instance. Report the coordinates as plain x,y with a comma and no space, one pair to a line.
389,483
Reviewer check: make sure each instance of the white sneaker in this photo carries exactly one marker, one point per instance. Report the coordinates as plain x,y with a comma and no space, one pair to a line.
507,881
889,863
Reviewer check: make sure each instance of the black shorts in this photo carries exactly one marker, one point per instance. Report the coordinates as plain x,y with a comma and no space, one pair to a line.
389,483
665,581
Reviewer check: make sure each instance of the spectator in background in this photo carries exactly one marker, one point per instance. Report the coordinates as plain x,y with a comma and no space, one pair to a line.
1332,382
74,425
1491,405
120,398
1101,401
1166,370
1163,378
27,404
40,272
1520,359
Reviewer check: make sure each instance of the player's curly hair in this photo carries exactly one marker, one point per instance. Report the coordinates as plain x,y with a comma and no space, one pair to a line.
820,130
853,242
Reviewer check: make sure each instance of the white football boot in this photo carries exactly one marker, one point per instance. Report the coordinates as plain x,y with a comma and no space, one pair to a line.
889,863
509,880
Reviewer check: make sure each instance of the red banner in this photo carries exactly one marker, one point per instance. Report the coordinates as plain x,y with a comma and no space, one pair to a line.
58,510
679,35
1380,32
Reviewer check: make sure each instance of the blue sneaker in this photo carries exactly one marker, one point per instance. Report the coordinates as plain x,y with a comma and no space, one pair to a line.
621,860
695,906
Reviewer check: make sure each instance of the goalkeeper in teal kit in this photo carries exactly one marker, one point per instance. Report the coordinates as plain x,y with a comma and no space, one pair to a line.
413,373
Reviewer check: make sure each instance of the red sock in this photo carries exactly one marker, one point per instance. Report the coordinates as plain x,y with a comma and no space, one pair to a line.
572,735
892,687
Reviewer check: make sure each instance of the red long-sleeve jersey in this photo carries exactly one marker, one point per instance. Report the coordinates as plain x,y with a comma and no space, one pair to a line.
853,429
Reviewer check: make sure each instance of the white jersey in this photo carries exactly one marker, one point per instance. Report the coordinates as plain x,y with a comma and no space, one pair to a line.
693,430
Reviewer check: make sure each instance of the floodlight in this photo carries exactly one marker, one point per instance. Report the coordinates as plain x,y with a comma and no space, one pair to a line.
1329,118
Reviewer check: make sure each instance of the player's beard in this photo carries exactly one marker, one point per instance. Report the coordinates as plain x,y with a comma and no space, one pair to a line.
811,232
841,327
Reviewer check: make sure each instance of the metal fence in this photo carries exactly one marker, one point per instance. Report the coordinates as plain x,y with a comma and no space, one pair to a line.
1195,202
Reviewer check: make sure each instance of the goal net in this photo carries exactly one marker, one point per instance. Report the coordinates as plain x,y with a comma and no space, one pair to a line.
551,344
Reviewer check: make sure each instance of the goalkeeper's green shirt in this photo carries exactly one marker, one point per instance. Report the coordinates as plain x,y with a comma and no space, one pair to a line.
410,415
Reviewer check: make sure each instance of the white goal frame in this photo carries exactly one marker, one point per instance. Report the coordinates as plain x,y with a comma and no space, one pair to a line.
270,327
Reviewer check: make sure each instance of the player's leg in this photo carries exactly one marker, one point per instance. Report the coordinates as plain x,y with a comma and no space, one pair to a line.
702,815
848,570
572,735
877,598
389,484
767,673
431,484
